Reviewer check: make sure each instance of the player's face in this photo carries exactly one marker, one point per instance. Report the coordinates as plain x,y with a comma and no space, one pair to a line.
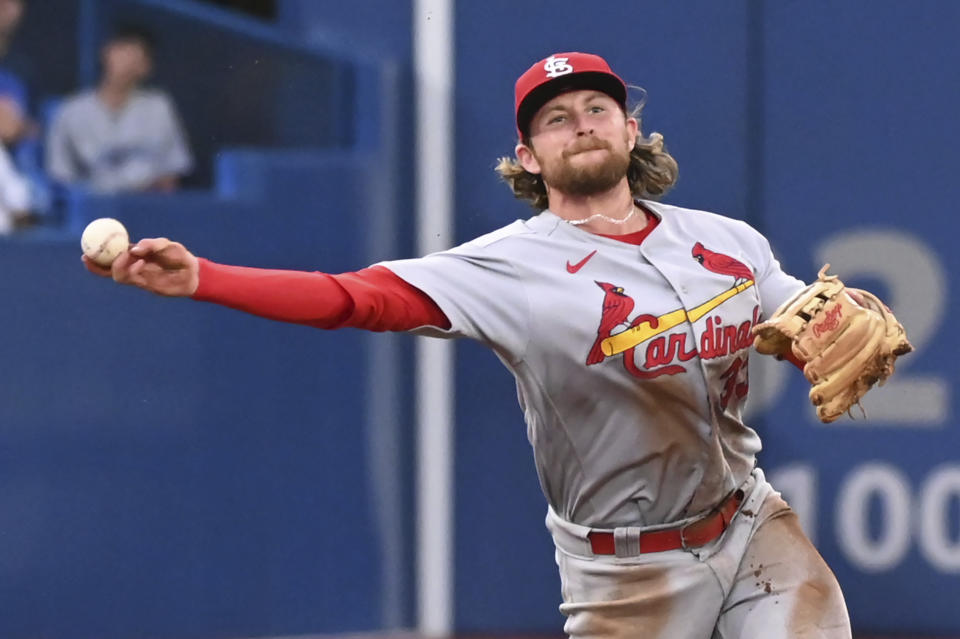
580,143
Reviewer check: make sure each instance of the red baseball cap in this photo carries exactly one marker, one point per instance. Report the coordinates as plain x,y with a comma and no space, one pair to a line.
559,73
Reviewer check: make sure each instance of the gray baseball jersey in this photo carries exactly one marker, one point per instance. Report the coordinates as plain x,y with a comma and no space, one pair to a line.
120,150
630,360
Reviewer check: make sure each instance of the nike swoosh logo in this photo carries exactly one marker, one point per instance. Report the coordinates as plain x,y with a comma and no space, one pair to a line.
573,268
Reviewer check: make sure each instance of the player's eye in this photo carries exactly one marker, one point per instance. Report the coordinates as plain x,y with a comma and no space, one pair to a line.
596,109
556,119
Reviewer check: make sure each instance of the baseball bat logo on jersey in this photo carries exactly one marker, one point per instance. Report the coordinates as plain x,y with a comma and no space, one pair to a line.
664,350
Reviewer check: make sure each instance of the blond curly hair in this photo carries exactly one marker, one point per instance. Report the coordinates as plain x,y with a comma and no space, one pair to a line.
651,173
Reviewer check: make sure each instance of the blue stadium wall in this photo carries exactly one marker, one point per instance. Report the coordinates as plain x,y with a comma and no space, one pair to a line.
173,469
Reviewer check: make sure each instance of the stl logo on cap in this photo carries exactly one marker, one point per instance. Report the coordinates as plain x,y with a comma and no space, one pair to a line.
555,67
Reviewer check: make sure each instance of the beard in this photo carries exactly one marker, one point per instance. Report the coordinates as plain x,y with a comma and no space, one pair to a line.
588,179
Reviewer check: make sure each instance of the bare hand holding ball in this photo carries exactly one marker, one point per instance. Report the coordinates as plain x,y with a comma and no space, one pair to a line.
154,264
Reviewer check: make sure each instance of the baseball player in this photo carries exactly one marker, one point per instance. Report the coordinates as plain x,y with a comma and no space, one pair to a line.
627,324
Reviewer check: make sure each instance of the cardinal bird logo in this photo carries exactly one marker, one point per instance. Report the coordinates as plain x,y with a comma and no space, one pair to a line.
616,308
722,264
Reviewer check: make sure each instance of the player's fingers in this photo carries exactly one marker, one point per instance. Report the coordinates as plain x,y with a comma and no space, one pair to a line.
164,252
136,268
123,272
95,268
137,275
150,245
120,267
170,255
174,255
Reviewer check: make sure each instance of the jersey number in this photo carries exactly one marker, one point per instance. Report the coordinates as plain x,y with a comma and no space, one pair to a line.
736,381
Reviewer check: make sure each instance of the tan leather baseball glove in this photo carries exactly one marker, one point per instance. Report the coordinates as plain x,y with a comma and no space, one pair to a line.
848,338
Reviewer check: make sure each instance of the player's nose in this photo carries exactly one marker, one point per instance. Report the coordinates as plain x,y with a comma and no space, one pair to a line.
582,124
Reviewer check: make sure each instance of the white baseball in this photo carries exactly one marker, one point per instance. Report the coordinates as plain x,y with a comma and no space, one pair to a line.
103,240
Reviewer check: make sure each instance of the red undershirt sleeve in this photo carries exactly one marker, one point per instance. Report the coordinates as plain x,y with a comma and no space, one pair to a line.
373,298
793,359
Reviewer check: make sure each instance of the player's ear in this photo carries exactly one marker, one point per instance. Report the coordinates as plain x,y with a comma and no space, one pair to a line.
527,158
633,129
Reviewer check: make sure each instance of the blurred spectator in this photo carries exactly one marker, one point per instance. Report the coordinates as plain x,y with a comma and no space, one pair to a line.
15,193
13,92
119,136
15,196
